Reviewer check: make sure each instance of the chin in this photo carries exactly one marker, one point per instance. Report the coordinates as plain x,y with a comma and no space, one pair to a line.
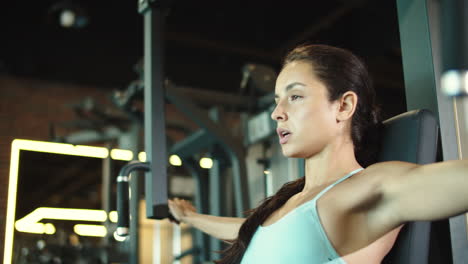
288,153
298,152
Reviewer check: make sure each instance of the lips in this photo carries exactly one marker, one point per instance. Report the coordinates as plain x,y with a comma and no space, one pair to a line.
284,135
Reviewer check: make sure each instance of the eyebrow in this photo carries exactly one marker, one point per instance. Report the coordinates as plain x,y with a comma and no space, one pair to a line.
290,86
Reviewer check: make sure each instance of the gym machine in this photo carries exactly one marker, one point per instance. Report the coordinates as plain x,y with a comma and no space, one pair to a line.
219,139
433,38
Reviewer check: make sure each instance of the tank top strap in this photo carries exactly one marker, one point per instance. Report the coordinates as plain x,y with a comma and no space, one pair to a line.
335,183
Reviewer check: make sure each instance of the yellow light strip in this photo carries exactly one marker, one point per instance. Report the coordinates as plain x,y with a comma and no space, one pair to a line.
90,230
49,229
61,148
39,146
11,204
30,223
71,214
113,217
34,228
206,163
121,154
142,156
175,160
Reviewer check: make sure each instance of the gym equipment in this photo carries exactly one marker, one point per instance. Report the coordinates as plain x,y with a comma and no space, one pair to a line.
123,222
211,135
154,124
422,54
154,118
155,135
411,137
454,83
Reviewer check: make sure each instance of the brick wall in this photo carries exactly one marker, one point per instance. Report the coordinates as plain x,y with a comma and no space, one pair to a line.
26,109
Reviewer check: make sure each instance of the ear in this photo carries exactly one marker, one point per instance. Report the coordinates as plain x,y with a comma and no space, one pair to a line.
347,105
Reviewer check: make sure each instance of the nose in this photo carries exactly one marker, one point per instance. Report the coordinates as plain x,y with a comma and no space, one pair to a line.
279,114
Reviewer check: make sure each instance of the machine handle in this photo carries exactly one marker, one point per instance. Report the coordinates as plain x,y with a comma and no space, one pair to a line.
123,221
123,213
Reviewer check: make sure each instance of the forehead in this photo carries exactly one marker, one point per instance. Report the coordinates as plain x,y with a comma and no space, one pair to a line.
300,72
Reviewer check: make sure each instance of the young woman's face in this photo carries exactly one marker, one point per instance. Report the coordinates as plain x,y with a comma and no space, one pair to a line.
306,120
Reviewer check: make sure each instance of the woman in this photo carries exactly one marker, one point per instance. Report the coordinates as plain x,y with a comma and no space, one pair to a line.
339,212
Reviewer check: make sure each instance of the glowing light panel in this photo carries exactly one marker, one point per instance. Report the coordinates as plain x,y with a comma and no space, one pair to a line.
30,223
121,154
142,156
175,160
206,163
39,146
113,216
90,230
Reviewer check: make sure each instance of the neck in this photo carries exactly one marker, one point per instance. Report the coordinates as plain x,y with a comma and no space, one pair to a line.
333,162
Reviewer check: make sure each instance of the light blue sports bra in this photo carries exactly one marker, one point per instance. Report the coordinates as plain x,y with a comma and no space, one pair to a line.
296,238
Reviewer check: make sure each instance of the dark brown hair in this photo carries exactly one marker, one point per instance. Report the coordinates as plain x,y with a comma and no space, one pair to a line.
340,71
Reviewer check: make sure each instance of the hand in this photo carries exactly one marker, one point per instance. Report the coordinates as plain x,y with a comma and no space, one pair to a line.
180,209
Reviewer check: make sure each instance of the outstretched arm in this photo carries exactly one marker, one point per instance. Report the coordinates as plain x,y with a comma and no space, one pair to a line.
224,228
411,192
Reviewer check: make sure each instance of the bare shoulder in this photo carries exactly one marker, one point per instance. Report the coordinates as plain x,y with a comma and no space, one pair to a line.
387,172
366,189
382,169
352,214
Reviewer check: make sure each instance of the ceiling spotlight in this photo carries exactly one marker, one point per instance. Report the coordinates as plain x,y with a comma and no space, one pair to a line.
67,18
69,14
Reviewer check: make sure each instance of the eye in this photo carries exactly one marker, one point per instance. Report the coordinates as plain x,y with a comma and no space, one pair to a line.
295,97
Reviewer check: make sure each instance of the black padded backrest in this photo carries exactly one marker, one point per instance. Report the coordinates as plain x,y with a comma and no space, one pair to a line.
411,137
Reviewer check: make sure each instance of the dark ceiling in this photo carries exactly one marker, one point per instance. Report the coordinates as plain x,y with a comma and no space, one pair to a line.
207,42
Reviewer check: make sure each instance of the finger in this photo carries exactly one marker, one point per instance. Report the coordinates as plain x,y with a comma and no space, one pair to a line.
176,201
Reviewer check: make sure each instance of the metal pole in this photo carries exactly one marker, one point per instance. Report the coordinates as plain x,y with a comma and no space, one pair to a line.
155,122
215,202
420,79
200,196
416,49
129,140
107,180
454,82
454,18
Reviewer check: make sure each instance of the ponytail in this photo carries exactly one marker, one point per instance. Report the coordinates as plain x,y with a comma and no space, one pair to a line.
234,253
